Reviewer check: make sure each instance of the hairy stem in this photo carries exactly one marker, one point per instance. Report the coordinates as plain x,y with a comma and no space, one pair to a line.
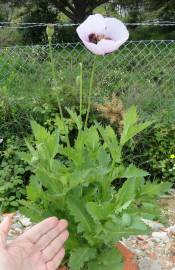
90,92
81,88
55,85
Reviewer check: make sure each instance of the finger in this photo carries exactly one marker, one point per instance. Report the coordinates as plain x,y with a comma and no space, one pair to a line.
42,228
55,246
4,229
46,239
56,261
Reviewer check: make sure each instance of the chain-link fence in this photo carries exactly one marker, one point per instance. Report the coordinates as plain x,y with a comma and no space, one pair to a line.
139,69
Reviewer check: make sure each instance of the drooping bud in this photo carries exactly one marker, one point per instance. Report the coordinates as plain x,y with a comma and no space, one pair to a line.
50,31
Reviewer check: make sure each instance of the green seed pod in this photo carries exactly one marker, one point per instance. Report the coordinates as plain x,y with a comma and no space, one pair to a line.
50,30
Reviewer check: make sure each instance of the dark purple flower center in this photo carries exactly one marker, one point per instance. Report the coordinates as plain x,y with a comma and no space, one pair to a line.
94,38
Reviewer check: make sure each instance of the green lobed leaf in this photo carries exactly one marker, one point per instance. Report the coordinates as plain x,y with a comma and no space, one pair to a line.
92,138
128,191
80,214
133,171
111,142
39,132
100,211
114,232
133,131
52,144
154,189
30,209
126,220
62,127
108,259
76,119
34,189
131,128
81,255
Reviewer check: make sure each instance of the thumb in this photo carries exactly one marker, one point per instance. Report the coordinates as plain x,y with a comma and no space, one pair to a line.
4,229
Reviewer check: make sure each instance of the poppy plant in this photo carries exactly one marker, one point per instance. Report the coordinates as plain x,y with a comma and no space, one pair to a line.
102,35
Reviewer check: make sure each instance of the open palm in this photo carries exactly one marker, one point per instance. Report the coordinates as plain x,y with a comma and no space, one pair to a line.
40,248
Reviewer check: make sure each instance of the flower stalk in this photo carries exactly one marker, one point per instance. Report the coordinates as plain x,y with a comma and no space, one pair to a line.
90,92
81,88
50,32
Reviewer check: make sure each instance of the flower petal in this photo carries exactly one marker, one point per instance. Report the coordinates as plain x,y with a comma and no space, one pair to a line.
116,30
92,47
108,46
112,31
93,24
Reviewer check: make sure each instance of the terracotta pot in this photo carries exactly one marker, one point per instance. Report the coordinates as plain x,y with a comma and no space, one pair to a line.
129,258
62,268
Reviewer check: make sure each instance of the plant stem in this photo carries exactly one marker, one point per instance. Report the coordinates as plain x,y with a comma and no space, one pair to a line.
54,76
55,85
90,93
81,88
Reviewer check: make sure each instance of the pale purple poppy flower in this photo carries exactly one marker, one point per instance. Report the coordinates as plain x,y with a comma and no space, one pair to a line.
102,35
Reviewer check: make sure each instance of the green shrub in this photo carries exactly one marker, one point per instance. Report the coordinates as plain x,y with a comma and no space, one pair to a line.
36,35
75,182
152,149
65,35
9,37
14,174
152,33
15,115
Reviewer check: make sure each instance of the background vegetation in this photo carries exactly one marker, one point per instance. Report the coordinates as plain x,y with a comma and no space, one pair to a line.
139,74
68,11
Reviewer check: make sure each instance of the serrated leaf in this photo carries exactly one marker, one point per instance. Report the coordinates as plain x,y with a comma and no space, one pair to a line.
153,189
24,156
50,181
108,259
96,266
134,130
39,132
110,140
126,220
114,232
81,255
147,210
133,171
99,211
34,189
31,149
62,127
111,255
131,128
72,243
92,138
103,157
53,144
80,214
130,117
128,191
31,210
76,119
123,207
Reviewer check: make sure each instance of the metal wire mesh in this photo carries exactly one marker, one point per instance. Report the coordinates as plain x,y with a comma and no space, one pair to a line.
137,68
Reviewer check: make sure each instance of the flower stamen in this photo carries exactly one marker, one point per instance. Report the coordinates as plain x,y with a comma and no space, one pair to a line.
94,38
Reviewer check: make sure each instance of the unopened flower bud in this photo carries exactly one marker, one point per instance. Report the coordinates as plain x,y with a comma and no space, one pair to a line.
50,30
